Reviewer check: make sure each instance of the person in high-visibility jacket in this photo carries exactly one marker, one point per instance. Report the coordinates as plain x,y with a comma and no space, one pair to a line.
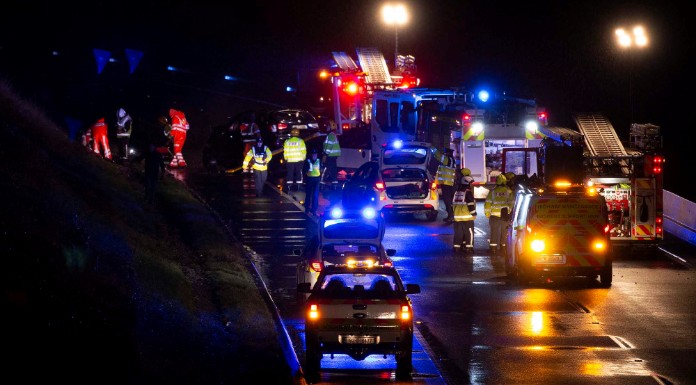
464,208
180,127
124,128
294,153
332,150
498,201
257,159
100,138
445,178
312,170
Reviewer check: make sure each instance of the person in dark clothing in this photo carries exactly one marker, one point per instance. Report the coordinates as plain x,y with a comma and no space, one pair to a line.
154,170
312,174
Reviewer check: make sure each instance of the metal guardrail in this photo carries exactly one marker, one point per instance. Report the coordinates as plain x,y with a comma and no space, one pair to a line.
679,216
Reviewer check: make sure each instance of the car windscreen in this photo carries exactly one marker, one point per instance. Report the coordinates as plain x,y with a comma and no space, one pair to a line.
351,229
406,155
348,285
293,116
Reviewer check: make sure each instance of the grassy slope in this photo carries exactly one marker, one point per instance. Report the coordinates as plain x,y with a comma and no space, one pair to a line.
99,287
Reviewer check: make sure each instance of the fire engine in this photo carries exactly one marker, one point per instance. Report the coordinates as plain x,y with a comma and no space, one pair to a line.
629,178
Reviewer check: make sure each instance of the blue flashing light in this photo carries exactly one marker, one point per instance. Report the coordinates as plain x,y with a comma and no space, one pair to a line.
397,144
369,213
336,213
171,68
483,95
230,77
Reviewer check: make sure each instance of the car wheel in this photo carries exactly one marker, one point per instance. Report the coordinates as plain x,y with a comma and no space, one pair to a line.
312,362
404,364
606,276
431,216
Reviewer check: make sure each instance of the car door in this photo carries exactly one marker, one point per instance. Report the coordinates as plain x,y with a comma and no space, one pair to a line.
359,191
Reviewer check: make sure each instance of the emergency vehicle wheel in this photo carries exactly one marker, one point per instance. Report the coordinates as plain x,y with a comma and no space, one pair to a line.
404,364
606,276
312,362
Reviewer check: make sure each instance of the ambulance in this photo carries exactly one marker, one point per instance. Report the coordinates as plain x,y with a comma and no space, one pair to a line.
556,230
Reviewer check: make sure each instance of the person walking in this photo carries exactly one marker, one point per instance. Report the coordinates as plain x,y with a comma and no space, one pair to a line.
332,150
100,138
257,159
312,170
445,178
180,127
124,127
294,153
497,205
464,210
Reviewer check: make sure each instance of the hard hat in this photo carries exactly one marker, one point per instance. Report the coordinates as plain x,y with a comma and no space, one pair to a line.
509,175
295,132
466,171
500,179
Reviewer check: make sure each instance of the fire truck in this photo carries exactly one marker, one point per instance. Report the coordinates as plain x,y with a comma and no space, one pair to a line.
629,178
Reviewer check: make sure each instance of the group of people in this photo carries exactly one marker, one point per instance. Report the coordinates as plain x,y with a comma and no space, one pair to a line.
460,204
175,128
302,166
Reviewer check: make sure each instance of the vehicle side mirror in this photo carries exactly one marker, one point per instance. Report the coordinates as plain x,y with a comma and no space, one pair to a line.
412,288
304,287
391,252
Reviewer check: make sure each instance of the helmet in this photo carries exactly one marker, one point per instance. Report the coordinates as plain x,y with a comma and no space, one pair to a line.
295,132
466,171
509,175
500,179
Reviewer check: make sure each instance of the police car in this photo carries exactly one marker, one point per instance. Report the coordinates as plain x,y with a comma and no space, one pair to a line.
346,237
358,311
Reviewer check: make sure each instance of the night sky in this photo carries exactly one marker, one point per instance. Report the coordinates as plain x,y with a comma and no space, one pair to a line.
561,53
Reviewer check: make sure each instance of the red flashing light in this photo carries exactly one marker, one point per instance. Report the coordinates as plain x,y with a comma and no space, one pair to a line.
466,118
317,266
282,126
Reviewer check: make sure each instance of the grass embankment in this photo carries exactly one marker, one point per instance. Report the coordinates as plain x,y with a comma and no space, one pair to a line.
100,287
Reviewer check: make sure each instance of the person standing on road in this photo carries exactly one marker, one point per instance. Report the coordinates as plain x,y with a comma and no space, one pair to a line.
180,127
445,177
312,170
249,132
294,153
497,207
332,150
257,158
100,138
464,209
124,127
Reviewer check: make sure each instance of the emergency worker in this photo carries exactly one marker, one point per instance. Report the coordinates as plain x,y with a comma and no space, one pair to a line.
257,159
100,138
332,150
124,127
445,178
249,131
464,209
294,153
312,170
180,127
510,177
499,200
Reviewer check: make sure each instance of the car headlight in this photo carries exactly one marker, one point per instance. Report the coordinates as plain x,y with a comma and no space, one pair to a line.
369,213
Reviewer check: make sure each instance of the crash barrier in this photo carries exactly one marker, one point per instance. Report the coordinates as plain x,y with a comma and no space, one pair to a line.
680,216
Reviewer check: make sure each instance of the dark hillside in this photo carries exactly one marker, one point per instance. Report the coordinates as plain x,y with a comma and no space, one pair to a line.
99,287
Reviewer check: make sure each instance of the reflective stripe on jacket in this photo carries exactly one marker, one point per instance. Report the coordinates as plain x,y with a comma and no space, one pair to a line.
445,171
313,168
294,149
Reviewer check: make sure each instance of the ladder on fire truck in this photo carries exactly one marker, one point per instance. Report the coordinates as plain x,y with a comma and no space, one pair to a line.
607,153
374,65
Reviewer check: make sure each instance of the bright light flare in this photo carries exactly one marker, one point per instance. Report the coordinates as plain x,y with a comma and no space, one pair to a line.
394,14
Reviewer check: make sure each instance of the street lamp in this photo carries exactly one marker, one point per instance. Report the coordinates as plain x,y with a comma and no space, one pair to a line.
637,38
395,14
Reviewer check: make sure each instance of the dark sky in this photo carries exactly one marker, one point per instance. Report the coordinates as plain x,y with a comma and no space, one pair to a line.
561,53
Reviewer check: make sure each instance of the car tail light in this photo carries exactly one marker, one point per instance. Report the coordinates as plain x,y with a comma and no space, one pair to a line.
379,186
405,313
313,312
433,186
282,126
317,266
658,224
